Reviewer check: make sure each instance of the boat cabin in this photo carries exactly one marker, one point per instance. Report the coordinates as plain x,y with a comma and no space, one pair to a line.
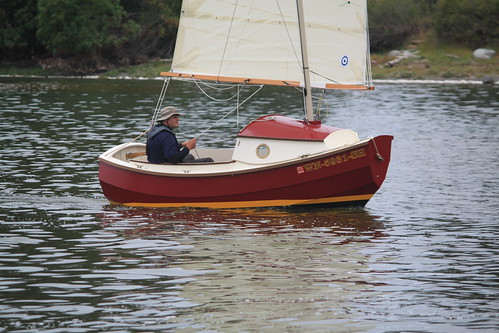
267,140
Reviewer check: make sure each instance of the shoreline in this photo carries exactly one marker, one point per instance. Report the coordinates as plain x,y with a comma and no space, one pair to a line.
424,62
380,81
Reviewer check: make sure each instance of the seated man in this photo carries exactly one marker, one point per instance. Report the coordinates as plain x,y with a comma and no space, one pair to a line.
162,145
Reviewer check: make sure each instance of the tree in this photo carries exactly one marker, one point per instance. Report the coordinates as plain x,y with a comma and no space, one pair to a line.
471,22
158,21
71,28
391,22
18,30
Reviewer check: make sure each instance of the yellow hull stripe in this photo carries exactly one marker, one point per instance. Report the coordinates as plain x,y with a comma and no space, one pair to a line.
247,204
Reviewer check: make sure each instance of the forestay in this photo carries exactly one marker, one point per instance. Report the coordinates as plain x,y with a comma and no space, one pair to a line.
257,41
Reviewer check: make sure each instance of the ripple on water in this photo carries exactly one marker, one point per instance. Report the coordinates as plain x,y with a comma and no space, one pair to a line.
421,256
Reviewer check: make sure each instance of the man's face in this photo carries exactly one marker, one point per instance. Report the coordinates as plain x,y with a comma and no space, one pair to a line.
172,122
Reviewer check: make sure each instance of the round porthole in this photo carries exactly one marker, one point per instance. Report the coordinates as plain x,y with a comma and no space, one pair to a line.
262,151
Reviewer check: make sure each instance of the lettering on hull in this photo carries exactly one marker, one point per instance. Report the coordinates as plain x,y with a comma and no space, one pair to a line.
331,161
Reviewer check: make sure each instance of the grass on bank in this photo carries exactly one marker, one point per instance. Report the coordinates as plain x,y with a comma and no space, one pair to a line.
26,70
432,62
435,61
149,70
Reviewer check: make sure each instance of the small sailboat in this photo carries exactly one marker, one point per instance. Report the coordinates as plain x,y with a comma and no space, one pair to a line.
276,160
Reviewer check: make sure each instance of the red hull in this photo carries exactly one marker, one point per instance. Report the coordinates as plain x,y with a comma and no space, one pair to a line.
345,178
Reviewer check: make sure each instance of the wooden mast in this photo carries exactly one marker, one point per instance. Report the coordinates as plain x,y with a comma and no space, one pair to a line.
306,70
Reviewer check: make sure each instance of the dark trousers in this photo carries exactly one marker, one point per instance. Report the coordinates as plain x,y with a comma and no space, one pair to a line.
190,159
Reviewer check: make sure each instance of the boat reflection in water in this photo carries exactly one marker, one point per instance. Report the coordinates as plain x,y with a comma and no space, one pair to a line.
352,222
246,267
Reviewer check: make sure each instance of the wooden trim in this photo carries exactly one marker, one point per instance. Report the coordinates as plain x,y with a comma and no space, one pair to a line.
256,203
261,81
130,156
232,79
348,86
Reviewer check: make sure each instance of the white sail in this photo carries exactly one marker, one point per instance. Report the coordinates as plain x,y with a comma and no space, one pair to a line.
235,40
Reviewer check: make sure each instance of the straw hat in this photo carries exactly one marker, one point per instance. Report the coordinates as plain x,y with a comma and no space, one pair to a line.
166,113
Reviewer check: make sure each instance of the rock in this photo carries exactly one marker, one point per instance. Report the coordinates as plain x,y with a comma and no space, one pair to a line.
488,80
484,53
393,62
399,56
395,53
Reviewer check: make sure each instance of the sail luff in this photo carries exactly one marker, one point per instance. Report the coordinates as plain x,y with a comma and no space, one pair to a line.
369,77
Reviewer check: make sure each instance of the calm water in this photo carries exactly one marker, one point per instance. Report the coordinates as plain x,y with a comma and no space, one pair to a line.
420,257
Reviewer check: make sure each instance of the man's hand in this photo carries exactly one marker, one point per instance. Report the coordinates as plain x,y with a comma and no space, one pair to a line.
191,144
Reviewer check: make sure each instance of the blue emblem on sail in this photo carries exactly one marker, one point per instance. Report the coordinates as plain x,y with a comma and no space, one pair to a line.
344,61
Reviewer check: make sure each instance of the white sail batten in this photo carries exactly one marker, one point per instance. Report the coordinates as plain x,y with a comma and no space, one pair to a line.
258,40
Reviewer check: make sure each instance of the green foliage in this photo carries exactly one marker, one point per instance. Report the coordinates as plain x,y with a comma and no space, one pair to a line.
89,35
391,22
69,28
158,21
17,29
95,35
471,22
149,69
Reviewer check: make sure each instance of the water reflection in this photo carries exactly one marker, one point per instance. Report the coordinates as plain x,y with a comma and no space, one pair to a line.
265,261
266,221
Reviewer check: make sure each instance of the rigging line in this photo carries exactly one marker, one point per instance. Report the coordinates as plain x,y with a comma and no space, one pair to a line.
289,36
319,103
227,39
161,97
324,77
156,109
323,104
237,106
225,86
367,83
228,113
300,89
213,98
378,155
138,136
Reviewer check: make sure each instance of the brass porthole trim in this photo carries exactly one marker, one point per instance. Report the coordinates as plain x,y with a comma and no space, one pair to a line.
262,151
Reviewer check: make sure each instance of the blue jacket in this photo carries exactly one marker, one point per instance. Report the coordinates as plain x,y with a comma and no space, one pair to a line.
162,146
